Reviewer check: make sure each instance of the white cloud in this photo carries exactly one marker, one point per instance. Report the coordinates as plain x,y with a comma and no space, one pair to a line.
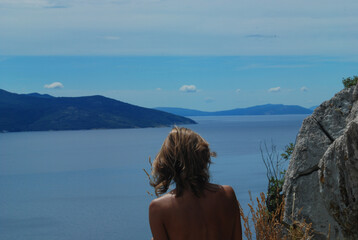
158,89
36,3
54,85
188,88
111,37
261,36
304,89
275,89
238,90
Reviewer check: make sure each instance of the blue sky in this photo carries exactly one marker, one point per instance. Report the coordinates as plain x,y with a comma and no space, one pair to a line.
207,55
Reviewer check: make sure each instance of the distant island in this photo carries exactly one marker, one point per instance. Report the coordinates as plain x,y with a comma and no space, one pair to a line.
42,112
267,109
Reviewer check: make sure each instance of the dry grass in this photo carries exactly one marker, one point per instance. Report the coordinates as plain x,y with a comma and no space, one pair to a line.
149,176
270,226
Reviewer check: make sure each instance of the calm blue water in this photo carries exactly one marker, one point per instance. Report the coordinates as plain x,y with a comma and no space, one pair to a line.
90,184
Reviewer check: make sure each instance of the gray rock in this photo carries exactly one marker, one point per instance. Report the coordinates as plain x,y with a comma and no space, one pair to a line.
355,93
311,179
338,183
332,114
354,110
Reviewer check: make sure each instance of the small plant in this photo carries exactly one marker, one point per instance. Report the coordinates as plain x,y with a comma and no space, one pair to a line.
288,151
350,81
275,173
267,226
270,226
150,178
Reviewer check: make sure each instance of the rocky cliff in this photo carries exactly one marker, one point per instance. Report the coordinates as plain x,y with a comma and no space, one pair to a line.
321,183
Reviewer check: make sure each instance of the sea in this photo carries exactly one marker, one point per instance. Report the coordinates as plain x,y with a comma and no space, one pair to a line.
90,185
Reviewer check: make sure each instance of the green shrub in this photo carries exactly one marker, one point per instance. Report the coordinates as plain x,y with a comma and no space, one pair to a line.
350,81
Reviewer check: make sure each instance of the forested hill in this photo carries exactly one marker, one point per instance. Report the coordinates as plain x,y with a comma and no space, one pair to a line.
41,112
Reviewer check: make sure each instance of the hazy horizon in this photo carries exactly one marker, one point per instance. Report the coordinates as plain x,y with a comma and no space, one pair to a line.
207,55
202,83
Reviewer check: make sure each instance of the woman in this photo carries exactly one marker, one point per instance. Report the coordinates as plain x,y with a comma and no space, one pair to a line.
195,209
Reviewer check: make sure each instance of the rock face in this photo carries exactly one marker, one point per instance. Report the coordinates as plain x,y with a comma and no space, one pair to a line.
321,183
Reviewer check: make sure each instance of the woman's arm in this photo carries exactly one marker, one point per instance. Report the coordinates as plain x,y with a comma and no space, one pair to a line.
237,235
156,221
237,230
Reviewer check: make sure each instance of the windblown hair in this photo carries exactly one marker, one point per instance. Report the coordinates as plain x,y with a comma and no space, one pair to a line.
184,159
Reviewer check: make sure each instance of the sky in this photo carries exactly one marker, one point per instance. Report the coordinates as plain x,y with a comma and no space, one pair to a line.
206,55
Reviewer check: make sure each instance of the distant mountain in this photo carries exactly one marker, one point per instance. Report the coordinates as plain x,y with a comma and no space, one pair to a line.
268,109
313,107
39,95
184,111
41,112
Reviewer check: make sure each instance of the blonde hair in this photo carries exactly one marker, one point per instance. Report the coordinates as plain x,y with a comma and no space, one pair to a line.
183,159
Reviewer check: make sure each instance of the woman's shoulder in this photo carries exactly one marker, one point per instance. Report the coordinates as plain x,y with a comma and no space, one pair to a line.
221,188
226,191
161,202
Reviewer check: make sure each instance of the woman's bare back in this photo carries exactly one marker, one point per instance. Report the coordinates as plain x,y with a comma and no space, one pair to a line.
214,216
